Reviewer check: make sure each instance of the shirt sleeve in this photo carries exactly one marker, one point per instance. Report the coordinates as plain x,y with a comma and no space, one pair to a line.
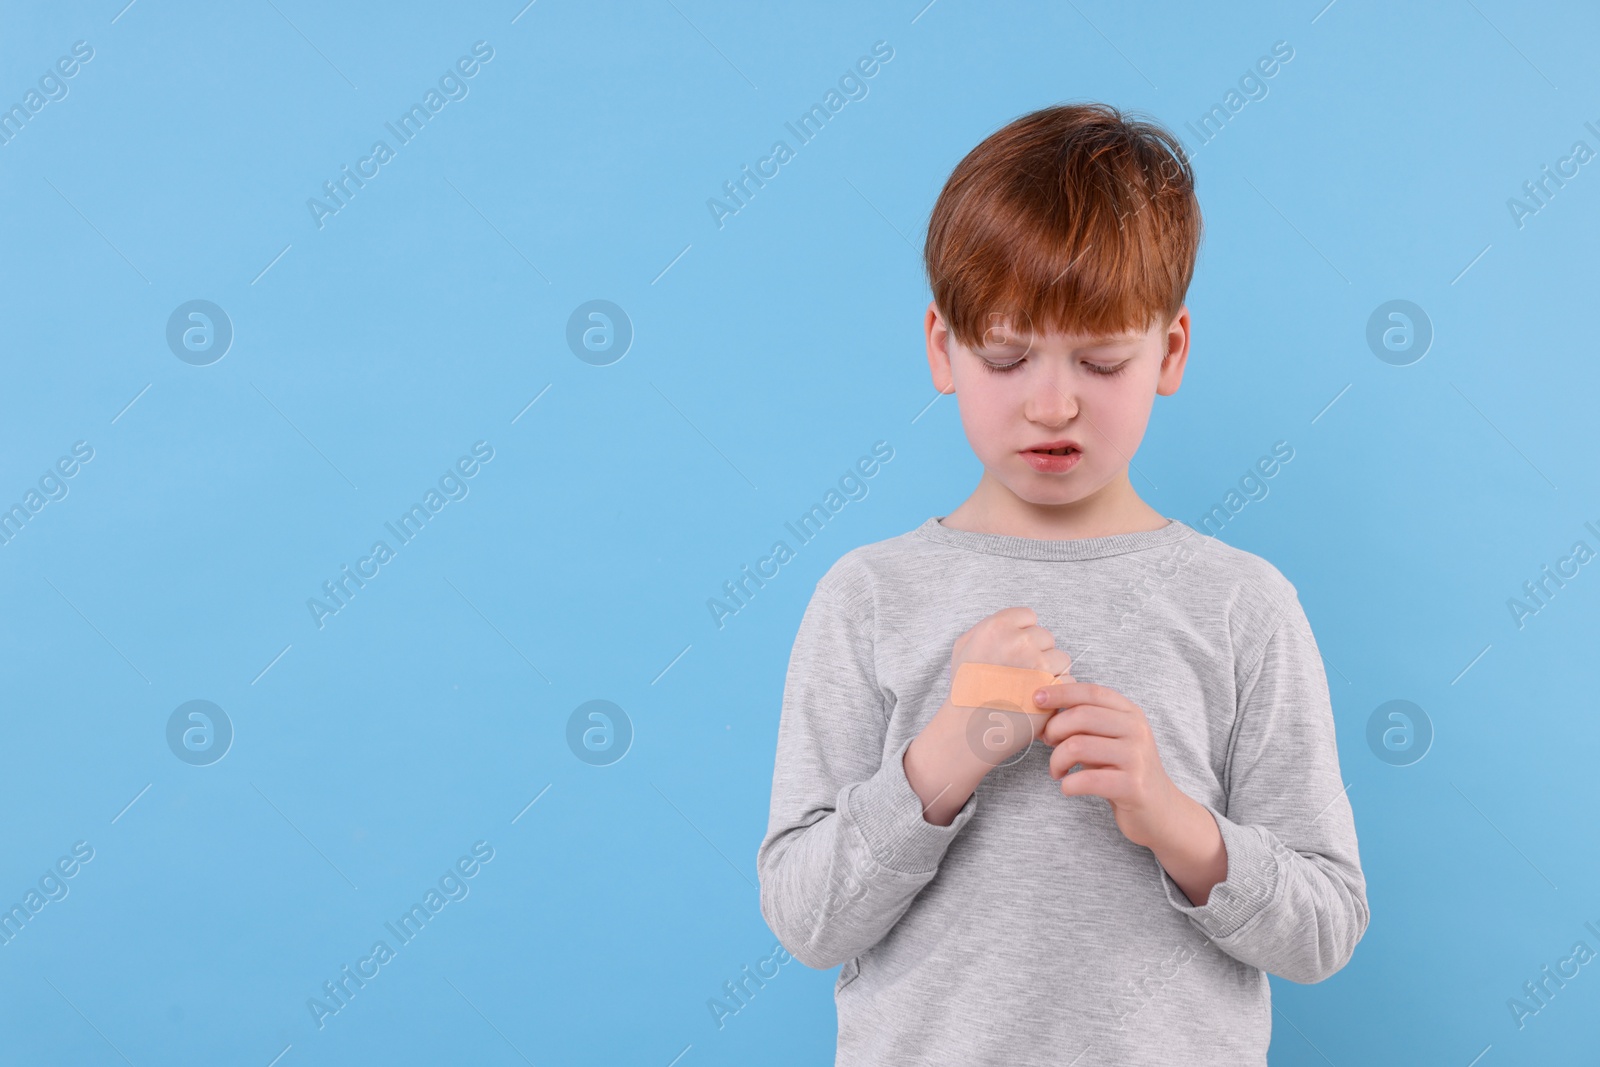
1294,902
847,848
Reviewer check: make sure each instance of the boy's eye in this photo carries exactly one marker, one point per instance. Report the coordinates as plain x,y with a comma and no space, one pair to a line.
1000,369
1095,368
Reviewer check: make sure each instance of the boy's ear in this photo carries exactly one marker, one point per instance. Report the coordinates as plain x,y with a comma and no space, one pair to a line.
938,335
1177,354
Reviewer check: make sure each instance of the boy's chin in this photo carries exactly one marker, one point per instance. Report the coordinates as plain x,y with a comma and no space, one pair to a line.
1046,496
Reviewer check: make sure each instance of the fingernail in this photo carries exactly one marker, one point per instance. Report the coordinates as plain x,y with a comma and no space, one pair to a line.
1039,696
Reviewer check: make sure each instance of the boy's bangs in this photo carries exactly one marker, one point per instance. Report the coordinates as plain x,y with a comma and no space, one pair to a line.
1067,220
1031,276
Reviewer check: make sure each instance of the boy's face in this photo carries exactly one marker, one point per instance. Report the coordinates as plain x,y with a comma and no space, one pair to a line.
1057,389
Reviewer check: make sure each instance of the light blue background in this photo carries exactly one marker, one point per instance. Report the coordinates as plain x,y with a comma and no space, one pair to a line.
430,311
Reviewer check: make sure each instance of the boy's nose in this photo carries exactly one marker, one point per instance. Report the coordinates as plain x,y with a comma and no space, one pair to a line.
1051,402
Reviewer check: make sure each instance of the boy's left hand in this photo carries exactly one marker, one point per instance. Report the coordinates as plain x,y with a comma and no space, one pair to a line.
1109,735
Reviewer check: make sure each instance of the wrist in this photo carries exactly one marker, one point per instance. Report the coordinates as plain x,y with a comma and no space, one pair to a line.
942,767
1173,829
1189,847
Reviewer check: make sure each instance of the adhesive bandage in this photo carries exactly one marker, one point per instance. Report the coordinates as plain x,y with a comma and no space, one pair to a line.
991,685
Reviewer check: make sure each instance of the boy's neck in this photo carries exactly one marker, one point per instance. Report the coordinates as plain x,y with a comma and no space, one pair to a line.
1113,509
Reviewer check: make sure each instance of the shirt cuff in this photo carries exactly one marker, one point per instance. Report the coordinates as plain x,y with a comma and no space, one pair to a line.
887,813
1250,886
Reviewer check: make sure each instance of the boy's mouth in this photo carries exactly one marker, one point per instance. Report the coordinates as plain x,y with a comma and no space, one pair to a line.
1053,457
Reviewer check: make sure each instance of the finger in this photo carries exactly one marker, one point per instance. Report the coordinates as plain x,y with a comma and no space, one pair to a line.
1089,750
1086,719
1066,694
1021,617
1058,663
1093,782
1039,638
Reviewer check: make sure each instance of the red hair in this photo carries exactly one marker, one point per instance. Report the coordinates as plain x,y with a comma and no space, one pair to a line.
1068,219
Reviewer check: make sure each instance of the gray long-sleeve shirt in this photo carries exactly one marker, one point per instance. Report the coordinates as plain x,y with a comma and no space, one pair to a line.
1030,931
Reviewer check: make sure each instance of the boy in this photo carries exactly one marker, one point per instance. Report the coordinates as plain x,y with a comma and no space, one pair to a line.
988,906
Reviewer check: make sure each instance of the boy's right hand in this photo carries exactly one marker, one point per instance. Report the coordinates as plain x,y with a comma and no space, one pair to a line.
1011,637
960,745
